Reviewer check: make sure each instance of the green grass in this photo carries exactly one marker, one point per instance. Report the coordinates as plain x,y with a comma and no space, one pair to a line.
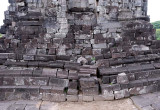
0,35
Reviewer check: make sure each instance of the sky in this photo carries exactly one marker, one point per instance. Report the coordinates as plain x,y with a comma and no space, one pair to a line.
153,9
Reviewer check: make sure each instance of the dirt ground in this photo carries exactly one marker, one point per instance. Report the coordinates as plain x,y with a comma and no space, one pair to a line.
125,104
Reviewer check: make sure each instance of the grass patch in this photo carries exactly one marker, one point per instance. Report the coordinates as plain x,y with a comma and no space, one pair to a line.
0,35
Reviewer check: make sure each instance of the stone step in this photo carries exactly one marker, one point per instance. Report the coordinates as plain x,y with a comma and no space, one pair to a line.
128,69
33,81
128,60
60,93
50,64
119,91
32,93
136,74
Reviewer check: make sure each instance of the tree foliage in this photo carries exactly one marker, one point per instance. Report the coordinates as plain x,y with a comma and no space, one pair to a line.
156,25
158,34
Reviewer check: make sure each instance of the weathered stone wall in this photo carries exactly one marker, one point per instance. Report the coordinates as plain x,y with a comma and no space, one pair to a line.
78,50
70,29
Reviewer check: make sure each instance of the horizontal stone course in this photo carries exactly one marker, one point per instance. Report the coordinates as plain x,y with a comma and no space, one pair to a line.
84,50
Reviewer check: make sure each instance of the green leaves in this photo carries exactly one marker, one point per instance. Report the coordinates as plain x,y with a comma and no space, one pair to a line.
93,58
158,34
156,26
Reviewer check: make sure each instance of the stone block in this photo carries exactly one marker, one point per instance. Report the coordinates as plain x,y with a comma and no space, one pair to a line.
49,72
138,90
136,83
72,98
73,85
52,51
37,72
33,64
87,98
91,91
131,77
72,92
8,81
63,57
2,96
45,89
107,92
58,90
116,87
38,81
45,57
72,66
108,71
102,63
99,46
1,81
34,92
56,64
20,81
46,96
105,80
58,82
28,57
122,78
58,98
27,72
119,55
7,88
73,75
63,74
99,98
21,92
121,94
87,82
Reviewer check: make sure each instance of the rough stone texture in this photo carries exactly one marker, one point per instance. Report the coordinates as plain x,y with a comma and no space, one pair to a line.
147,101
56,50
122,78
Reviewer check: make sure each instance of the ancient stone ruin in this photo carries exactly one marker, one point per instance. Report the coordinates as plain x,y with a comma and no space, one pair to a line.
78,50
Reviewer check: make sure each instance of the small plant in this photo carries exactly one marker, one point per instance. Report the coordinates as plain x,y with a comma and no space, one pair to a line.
0,35
65,90
93,59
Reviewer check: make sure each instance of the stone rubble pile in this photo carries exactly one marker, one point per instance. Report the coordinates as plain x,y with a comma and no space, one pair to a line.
78,50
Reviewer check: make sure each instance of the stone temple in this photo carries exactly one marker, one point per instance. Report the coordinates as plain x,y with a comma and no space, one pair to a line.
78,50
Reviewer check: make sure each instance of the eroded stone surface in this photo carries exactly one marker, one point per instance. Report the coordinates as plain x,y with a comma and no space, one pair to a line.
77,50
